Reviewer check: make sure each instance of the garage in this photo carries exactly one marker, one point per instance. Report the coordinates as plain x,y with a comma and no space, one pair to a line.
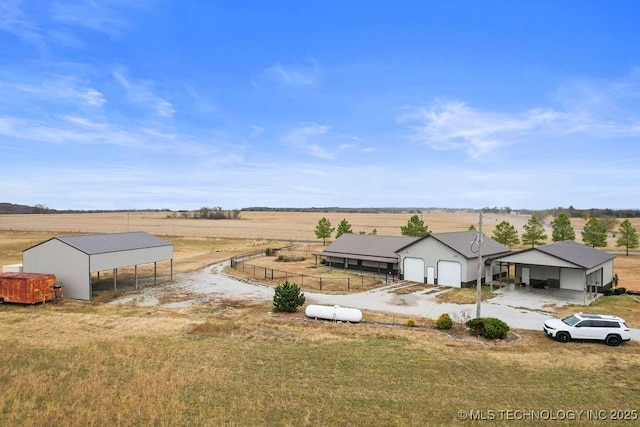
449,274
414,270
572,278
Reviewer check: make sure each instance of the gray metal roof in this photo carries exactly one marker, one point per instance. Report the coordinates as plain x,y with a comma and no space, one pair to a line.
576,253
460,241
366,246
93,244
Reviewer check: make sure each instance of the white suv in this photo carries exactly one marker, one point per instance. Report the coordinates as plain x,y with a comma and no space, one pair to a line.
602,327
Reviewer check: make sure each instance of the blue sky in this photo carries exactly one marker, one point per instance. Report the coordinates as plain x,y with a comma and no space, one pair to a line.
182,104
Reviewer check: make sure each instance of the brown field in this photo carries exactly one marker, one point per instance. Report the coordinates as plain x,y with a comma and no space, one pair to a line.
234,362
259,230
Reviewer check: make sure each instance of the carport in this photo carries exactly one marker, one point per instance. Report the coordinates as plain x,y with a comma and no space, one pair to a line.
563,265
73,258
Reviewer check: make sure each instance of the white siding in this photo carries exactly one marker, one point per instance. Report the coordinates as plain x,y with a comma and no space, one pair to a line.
572,278
432,251
111,260
70,266
536,258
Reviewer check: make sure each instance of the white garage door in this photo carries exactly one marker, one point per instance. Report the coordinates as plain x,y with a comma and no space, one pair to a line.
572,278
414,270
449,273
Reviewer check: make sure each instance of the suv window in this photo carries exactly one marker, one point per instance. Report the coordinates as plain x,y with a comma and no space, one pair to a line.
610,324
571,320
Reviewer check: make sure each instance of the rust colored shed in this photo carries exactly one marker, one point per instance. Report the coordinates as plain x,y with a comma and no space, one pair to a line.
27,288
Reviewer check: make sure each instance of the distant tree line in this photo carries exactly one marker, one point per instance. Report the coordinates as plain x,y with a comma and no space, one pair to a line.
212,213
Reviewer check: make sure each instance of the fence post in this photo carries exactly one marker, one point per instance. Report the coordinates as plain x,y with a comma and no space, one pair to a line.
348,283
320,283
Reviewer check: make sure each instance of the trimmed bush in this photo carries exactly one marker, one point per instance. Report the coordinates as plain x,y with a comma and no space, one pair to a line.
620,291
607,293
411,323
488,327
444,321
287,297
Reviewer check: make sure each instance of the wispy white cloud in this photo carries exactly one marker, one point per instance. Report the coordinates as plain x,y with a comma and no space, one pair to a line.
104,17
453,125
14,20
595,109
60,89
293,75
319,141
141,93
602,107
304,139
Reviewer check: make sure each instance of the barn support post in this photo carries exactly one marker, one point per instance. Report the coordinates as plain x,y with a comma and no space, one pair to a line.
490,276
135,269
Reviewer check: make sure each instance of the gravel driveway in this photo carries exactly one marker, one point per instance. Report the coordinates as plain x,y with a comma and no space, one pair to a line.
517,309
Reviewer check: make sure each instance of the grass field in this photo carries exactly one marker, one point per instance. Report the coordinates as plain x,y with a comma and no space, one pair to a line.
235,363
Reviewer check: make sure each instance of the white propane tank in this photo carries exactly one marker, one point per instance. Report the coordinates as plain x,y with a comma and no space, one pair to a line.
333,312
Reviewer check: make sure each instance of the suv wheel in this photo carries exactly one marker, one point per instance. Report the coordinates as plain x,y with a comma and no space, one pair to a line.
613,340
563,337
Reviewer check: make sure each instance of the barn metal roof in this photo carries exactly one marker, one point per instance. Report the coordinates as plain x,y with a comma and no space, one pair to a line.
576,253
568,251
367,247
93,244
460,241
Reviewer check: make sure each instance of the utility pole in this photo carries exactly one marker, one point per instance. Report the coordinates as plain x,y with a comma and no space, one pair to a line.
480,267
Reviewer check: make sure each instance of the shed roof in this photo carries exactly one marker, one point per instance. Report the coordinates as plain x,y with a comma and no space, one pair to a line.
367,247
576,253
569,251
461,242
93,244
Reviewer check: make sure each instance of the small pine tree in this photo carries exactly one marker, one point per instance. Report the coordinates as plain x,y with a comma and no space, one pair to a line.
323,230
343,228
288,298
533,232
415,227
562,229
593,233
506,234
628,236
